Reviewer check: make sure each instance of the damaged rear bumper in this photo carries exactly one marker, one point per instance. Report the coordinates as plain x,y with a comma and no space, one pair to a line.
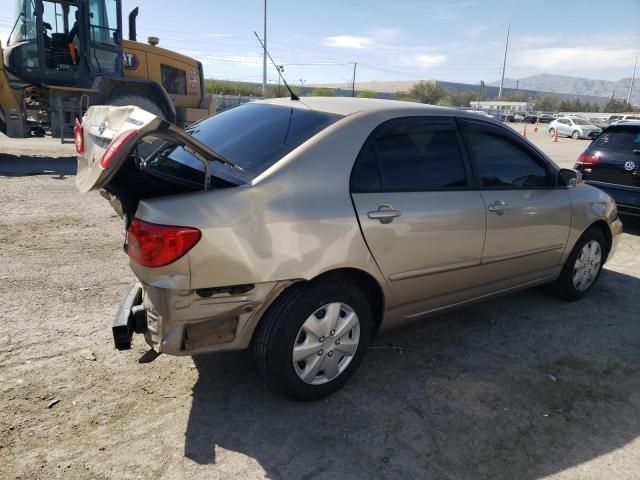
186,322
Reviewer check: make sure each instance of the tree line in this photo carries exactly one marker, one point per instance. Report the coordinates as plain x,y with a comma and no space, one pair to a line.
431,93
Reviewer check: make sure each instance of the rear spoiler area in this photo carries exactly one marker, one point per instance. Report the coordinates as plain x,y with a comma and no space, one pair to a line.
108,135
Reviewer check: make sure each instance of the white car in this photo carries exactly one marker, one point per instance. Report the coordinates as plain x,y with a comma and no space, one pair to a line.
574,127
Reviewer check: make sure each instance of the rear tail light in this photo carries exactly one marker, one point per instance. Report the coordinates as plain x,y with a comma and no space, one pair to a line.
588,159
154,245
78,136
115,145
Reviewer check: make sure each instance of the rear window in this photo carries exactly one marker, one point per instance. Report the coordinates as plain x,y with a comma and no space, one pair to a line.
253,136
618,138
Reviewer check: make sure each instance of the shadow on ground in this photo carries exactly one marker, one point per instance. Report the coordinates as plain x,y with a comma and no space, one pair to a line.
518,387
25,165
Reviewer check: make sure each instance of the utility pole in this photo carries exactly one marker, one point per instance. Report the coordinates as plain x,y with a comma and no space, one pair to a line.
302,86
353,83
281,70
517,85
632,79
264,54
481,89
504,63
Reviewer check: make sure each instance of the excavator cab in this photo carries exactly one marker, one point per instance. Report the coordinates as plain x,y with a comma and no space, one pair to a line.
65,42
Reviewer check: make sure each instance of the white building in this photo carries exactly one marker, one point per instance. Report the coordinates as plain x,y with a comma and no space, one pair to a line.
500,105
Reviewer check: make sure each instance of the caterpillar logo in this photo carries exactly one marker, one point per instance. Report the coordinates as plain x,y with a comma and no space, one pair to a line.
130,61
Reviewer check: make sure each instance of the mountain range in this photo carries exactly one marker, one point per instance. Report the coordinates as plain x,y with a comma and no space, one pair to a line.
576,85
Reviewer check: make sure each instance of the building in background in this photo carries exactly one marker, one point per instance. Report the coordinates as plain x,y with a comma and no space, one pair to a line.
498,105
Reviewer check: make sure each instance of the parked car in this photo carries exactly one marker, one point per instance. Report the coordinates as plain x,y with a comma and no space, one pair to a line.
574,127
612,163
621,117
545,118
303,228
599,122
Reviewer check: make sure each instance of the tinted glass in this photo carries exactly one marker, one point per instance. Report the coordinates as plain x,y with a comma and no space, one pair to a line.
618,138
502,163
252,136
411,158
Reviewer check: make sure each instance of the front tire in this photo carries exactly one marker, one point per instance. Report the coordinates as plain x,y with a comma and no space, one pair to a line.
583,266
313,337
575,135
138,101
552,132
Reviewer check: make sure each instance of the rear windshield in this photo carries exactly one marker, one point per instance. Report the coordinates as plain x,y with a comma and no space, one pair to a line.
619,137
253,136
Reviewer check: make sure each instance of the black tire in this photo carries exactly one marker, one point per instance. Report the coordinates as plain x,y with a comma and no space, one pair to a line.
575,135
137,101
280,326
563,287
552,132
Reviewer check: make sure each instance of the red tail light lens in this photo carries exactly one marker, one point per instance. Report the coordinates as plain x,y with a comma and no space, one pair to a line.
115,145
154,245
588,159
78,136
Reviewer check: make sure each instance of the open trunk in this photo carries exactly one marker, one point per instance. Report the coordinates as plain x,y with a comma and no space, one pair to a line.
126,153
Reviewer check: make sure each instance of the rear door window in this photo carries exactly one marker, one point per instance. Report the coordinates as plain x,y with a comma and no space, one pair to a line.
618,138
414,155
253,136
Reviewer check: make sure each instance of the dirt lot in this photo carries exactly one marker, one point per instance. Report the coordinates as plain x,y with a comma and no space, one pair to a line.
521,387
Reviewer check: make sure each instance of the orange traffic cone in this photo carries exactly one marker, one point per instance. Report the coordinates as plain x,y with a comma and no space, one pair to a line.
524,130
555,135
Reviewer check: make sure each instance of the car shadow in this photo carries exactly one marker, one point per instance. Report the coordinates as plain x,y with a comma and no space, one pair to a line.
518,387
631,224
27,165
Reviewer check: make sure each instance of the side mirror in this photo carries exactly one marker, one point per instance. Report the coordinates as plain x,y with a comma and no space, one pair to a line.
568,177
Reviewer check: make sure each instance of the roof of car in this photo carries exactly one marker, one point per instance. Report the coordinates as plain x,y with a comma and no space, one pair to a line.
349,105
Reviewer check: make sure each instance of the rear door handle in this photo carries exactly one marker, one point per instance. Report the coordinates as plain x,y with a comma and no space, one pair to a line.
499,207
385,213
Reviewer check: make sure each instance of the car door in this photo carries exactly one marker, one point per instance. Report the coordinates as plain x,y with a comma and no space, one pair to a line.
528,217
422,219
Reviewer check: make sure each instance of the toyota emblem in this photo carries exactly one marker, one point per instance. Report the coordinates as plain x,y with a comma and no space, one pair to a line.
629,165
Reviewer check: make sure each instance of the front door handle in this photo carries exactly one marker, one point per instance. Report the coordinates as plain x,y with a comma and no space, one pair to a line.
385,213
499,207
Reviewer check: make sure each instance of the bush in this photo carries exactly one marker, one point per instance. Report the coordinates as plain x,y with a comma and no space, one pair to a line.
323,92
367,94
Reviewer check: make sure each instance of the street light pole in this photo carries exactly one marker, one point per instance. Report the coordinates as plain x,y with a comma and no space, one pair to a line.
264,54
632,79
504,63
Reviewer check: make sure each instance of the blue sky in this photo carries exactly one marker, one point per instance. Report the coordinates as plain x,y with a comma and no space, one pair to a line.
457,40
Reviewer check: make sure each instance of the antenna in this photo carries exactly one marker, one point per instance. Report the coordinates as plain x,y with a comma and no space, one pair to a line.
293,95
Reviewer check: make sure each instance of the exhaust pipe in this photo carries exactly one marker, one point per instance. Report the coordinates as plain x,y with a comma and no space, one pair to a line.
132,24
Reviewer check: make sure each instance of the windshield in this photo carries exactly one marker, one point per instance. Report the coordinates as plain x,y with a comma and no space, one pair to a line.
619,137
579,121
24,27
252,136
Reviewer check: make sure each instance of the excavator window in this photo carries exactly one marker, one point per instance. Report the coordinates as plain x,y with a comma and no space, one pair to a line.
61,38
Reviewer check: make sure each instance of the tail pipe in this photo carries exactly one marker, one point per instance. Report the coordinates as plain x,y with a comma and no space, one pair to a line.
132,24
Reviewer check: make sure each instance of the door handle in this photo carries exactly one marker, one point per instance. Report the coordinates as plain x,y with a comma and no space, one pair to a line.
385,213
498,207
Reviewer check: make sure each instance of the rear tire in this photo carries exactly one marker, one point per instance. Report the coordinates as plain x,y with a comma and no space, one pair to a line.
579,273
138,101
292,357
552,132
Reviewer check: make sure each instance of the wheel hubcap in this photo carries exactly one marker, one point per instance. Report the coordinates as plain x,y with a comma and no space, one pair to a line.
326,343
587,265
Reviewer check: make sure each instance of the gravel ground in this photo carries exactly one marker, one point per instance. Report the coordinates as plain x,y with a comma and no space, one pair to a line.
521,387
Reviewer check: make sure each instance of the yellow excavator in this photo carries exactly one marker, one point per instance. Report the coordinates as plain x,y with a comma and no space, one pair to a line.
64,55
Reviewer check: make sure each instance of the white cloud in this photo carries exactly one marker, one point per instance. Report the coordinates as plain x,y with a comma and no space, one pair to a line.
216,35
348,41
427,61
568,58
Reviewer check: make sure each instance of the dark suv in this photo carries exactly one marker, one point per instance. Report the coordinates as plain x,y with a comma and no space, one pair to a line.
612,163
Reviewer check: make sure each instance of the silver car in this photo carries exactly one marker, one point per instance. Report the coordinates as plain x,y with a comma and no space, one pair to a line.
303,228
574,127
